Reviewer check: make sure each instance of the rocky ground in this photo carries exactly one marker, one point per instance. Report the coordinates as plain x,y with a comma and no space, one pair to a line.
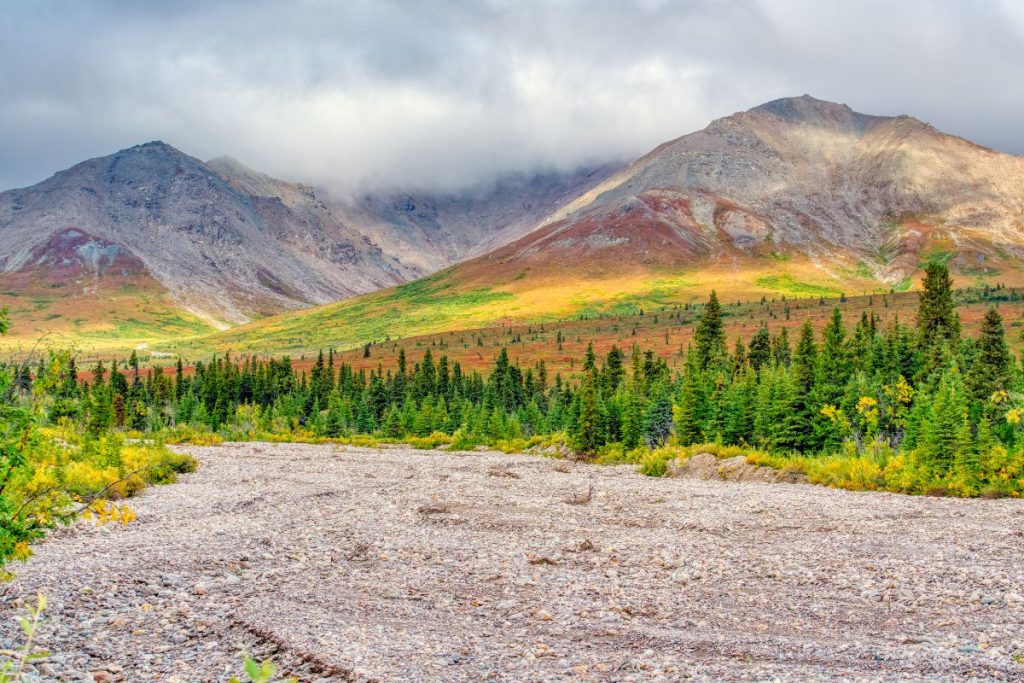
399,565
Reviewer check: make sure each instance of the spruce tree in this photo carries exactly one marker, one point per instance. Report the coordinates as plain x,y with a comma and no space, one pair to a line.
834,365
334,424
781,353
709,337
990,370
98,372
133,363
936,314
588,436
658,417
938,324
943,434
739,357
739,408
691,404
760,353
613,371
101,409
317,382
772,408
590,360
365,422
179,380
392,423
803,414
614,409
633,417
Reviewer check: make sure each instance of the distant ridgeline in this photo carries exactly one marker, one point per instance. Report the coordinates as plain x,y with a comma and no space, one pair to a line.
907,409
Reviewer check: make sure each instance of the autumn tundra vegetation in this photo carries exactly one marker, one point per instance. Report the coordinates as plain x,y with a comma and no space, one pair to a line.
915,409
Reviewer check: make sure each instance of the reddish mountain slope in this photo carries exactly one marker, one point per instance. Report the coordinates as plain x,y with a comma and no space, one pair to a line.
816,191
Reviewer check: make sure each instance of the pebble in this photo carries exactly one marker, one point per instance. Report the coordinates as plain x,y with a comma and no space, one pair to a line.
280,550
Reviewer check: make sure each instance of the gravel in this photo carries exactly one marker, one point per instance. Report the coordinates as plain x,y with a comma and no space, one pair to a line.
396,565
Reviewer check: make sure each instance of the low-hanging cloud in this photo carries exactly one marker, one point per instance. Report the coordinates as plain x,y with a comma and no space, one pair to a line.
395,93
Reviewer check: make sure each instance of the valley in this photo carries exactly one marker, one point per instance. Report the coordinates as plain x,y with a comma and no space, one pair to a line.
664,327
511,341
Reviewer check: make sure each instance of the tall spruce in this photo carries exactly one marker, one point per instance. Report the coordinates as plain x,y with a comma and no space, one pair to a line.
834,364
946,431
938,323
990,370
589,432
760,353
709,337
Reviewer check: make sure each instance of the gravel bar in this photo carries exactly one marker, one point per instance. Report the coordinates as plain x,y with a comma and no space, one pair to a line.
405,565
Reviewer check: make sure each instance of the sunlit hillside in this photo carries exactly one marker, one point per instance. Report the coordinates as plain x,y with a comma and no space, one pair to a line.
478,294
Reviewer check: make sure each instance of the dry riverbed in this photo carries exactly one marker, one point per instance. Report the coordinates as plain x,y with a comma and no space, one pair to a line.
401,565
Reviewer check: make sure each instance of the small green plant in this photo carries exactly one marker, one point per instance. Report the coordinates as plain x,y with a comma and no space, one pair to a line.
258,672
14,669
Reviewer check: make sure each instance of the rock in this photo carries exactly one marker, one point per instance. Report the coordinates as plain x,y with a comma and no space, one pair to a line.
168,580
503,589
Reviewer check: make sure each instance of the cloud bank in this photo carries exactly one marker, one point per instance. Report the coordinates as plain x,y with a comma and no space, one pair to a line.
393,93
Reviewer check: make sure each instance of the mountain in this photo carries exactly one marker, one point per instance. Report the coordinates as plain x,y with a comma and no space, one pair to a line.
796,197
150,243
789,197
433,230
155,223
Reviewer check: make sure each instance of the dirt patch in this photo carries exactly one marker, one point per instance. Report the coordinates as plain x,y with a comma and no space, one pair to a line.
706,466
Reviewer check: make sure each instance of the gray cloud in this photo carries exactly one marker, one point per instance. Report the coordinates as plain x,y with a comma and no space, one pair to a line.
367,93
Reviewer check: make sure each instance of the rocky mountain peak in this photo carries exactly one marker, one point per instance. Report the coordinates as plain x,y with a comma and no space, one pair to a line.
807,110
156,150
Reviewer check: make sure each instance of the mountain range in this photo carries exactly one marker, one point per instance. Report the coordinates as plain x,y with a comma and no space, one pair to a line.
796,197
149,242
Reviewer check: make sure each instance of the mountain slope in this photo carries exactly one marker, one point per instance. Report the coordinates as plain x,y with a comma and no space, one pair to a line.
810,188
430,231
797,197
203,243
193,245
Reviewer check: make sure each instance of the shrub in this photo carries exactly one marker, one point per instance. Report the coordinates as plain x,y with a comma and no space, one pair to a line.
654,463
191,435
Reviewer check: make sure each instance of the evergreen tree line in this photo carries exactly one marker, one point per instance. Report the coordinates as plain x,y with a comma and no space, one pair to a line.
614,402
923,389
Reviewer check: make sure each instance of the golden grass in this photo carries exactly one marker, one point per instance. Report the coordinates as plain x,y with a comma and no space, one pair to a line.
442,303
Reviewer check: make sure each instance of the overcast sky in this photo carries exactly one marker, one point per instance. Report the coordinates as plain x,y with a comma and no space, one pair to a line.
355,94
